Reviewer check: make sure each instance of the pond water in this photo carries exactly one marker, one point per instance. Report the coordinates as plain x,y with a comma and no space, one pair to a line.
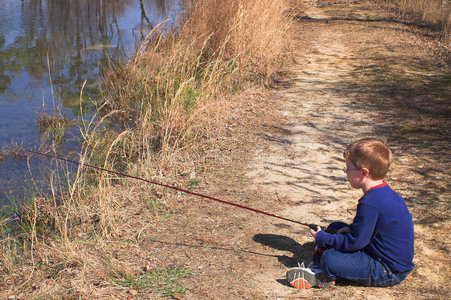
73,39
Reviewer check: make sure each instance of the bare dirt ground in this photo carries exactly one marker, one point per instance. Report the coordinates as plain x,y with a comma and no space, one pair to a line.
356,77
359,72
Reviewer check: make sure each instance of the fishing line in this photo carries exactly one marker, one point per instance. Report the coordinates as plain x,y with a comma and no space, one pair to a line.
312,226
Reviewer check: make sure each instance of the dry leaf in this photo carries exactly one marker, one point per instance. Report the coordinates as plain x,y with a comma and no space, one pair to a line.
177,296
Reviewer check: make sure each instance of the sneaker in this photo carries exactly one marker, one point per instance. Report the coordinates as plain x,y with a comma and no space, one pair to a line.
305,278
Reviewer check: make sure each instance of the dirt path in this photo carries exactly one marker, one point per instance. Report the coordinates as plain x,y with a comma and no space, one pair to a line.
355,78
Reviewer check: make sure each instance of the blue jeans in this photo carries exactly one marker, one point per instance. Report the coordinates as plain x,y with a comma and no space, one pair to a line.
358,266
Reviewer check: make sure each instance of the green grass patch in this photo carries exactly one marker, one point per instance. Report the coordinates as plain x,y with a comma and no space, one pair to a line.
56,124
190,98
7,211
192,183
163,280
153,204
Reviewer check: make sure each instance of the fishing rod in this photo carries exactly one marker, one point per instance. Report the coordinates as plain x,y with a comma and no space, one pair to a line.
312,226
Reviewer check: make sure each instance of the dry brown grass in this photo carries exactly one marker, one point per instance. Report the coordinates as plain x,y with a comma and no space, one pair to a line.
159,113
436,13
176,89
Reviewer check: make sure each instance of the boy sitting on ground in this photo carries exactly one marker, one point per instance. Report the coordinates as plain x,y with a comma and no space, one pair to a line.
377,249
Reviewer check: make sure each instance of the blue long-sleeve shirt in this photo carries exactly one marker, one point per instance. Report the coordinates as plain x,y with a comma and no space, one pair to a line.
382,228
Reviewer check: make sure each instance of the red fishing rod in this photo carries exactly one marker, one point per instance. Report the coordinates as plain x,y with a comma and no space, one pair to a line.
312,226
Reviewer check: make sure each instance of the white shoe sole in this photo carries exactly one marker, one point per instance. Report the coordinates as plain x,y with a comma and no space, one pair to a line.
304,278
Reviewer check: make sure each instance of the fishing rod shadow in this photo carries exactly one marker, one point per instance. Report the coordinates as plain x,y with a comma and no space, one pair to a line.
300,252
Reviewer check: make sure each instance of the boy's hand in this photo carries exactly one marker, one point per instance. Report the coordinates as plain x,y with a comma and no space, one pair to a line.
344,230
313,232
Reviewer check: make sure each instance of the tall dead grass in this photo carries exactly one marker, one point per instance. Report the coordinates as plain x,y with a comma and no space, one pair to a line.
162,106
436,13
175,89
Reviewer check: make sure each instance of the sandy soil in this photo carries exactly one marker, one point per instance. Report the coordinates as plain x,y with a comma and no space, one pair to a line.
355,78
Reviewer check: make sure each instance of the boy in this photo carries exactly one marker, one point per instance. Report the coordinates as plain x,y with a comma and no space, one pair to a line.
377,248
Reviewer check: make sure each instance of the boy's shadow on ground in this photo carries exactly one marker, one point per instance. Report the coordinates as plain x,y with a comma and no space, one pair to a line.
301,253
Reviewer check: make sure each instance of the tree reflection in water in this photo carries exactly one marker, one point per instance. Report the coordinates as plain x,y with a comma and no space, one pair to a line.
79,37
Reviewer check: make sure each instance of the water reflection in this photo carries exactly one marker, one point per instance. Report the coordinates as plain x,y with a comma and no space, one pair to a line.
76,34
78,37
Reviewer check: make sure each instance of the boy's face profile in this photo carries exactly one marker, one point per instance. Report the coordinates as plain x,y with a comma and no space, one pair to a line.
353,174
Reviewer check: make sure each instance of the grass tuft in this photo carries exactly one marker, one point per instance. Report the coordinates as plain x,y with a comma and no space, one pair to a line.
435,13
163,280
12,151
54,123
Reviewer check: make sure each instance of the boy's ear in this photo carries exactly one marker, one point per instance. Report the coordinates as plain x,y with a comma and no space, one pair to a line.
365,172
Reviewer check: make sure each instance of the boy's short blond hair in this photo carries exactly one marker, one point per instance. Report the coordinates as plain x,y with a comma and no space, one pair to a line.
373,154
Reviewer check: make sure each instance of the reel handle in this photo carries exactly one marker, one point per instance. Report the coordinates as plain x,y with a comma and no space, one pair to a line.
328,230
